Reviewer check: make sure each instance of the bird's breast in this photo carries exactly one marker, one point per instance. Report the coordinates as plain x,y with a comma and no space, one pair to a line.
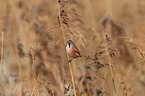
68,49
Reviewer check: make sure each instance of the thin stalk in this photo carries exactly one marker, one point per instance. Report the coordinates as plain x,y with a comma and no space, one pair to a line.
61,26
2,55
109,11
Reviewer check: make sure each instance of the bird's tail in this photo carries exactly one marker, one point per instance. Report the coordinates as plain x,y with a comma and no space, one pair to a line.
87,57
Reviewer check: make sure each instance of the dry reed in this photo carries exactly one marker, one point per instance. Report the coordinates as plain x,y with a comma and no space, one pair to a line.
48,24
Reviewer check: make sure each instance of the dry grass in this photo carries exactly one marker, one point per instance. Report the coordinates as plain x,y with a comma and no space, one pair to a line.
34,62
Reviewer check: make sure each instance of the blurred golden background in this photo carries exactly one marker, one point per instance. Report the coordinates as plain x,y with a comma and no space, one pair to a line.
32,47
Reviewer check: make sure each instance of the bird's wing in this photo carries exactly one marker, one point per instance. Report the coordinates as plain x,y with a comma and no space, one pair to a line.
77,52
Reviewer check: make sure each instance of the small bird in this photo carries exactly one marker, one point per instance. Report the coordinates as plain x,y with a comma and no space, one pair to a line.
73,51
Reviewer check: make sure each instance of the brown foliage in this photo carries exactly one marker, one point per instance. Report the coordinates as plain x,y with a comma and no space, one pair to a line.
35,33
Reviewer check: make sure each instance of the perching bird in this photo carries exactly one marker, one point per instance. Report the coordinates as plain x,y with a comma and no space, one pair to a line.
73,51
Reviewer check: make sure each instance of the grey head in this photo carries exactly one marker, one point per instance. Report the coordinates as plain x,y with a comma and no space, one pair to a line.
69,44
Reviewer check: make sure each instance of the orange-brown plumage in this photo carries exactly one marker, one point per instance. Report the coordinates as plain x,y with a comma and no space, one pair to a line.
73,51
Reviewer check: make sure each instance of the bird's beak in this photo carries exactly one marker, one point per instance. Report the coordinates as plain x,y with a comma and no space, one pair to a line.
66,44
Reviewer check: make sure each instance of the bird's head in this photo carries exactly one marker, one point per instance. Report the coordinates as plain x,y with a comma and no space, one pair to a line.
69,45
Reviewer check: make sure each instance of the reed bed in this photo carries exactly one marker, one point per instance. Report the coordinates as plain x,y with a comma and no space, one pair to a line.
32,46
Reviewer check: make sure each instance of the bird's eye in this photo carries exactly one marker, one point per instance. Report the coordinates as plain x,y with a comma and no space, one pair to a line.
69,45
